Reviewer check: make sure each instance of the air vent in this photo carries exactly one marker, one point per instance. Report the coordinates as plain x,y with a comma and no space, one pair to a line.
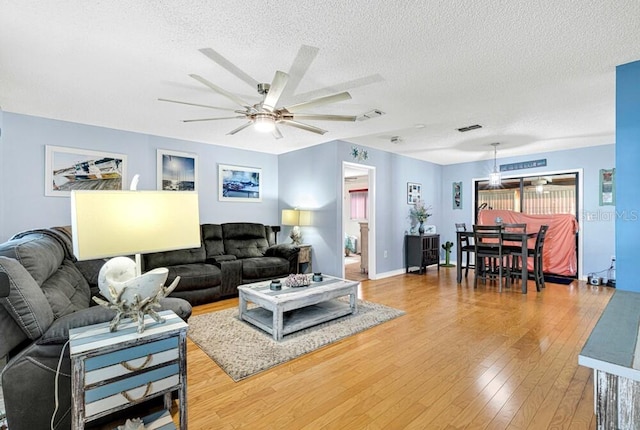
396,139
371,114
469,128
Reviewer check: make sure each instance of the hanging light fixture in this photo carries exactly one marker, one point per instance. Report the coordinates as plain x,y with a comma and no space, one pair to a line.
494,177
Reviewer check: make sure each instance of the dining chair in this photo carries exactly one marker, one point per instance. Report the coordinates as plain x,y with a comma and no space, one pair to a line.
515,250
489,247
466,247
538,272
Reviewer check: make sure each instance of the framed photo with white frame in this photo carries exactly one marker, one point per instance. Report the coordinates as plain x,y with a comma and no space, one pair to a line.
414,193
239,184
176,171
68,169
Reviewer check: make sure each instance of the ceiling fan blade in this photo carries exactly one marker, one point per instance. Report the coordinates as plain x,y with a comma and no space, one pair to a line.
242,127
320,101
276,133
213,119
322,117
215,56
302,62
219,90
302,126
344,86
197,104
275,91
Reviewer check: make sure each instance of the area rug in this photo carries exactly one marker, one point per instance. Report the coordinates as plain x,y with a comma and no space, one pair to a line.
242,350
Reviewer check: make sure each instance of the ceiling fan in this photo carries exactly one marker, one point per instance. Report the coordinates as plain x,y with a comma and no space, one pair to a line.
266,115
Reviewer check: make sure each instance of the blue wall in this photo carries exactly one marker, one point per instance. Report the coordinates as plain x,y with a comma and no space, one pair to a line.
627,183
597,223
23,159
309,178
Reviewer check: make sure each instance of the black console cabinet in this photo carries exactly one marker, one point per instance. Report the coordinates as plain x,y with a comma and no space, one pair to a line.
421,251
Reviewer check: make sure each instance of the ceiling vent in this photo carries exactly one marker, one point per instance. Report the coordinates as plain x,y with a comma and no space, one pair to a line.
469,128
396,139
368,115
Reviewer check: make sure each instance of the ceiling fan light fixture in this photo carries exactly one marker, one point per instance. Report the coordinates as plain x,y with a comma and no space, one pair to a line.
264,123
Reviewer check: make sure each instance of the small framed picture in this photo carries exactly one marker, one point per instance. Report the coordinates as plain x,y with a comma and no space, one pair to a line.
607,192
239,184
414,193
68,169
176,171
457,195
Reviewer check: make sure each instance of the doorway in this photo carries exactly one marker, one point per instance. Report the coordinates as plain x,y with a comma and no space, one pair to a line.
358,208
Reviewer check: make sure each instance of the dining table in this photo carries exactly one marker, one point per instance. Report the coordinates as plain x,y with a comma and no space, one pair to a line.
507,236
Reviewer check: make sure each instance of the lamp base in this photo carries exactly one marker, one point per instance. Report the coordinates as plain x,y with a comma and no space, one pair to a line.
132,296
295,235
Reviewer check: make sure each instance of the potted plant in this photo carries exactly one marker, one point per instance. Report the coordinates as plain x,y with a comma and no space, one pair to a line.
420,212
348,246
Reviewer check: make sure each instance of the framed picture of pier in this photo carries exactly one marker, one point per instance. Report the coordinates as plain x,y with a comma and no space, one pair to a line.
177,171
68,169
239,184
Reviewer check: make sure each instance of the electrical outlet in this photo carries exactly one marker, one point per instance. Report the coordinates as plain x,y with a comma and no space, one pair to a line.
385,253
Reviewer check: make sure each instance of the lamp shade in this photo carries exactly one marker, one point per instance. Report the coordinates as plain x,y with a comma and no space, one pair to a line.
113,223
296,217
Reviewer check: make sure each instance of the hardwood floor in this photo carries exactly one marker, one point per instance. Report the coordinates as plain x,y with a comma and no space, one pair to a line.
459,358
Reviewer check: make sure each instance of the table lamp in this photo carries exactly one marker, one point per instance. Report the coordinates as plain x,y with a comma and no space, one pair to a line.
296,218
119,223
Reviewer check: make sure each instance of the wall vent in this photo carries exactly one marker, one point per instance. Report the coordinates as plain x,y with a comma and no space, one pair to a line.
469,128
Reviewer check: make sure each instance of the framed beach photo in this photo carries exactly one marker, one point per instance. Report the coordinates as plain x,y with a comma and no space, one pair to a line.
239,184
176,171
68,169
414,192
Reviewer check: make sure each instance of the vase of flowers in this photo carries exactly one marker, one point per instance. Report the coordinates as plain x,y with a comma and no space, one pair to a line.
420,213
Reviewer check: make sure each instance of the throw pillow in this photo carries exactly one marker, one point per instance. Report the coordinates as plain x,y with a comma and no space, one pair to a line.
26,303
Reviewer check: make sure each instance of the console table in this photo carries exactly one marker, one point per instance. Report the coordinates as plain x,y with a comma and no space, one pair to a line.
421,251
304,259
114,370
612,351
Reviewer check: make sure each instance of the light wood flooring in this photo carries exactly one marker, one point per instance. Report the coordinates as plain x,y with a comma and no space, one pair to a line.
460,358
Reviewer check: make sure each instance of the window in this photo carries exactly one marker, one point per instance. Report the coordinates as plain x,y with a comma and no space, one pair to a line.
359,203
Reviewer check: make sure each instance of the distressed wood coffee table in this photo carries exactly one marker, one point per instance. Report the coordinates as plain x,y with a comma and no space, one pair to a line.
294,308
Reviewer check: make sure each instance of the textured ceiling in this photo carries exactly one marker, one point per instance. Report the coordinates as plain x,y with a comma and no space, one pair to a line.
538,76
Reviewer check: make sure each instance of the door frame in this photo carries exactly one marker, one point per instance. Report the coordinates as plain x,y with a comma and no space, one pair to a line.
371,176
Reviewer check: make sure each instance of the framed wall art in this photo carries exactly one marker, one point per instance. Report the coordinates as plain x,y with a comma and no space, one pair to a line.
239,184
607,189
68,169
176,171
414,192
457,195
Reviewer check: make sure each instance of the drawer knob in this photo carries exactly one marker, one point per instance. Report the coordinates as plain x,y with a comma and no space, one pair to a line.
134,368
132,400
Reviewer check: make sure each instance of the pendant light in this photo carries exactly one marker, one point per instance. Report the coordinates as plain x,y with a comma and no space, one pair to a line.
494,177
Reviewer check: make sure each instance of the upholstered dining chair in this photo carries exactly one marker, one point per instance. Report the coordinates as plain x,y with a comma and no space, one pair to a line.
466,247
490,255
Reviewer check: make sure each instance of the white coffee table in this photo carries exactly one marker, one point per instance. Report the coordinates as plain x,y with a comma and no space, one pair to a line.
291,309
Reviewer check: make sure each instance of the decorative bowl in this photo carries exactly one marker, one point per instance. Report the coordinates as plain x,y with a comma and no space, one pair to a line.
299,280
